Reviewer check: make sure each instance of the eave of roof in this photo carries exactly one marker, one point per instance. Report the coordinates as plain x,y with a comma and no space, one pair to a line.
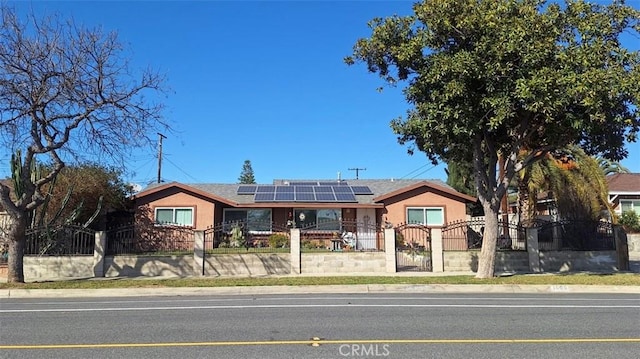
183,187
421,184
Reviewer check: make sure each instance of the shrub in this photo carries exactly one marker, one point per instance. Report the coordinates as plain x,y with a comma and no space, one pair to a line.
630,221
278,240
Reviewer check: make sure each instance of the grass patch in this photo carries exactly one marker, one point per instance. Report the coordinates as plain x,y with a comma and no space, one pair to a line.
622,279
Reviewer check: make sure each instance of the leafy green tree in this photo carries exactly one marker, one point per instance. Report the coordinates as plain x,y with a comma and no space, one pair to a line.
487,79
246,176
66,92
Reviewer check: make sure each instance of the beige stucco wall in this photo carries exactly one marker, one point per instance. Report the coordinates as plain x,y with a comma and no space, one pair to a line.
253,264
172,197
396,207
343,263
464,261
566,261
57,267
136,266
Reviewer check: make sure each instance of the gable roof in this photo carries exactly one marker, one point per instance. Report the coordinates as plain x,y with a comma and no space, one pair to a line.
382,189
624,183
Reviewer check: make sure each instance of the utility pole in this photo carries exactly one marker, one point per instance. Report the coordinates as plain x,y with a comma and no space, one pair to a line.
161,136
357,171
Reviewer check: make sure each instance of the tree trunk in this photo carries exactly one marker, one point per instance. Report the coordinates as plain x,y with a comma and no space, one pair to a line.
17,239
487,259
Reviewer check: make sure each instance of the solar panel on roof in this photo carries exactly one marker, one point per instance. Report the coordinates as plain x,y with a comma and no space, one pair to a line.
332,183
345,197
342,189
284,196
264,197
361,190
247,189
299,189
322,189
325,197
284,189
305,197
263,189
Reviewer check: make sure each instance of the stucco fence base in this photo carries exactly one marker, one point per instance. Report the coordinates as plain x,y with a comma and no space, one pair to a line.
253,264
464,261
343,263
44,268
555,261
151,266
633,242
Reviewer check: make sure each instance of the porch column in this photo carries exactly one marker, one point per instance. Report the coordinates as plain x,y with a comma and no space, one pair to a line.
296,267
390,249
198,253
437,254
533,250
99,250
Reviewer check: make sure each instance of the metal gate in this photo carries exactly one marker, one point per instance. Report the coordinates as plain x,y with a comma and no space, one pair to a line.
413,248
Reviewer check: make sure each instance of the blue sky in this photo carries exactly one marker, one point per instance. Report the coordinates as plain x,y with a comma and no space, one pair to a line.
263,81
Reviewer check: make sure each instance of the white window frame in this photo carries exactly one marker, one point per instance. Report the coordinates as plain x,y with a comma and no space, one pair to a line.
424,216
246,210
174,223
633,203
316,229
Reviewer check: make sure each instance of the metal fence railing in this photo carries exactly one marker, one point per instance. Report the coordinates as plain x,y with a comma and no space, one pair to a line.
59,240
341,236
467,234
247,237
576,235
150,239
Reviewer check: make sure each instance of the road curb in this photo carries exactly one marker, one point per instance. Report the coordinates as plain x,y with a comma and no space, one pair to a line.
316,289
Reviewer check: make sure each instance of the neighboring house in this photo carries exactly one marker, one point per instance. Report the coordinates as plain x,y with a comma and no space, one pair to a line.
304,203
624,192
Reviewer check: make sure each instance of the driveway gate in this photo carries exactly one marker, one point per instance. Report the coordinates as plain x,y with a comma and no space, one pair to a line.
413,248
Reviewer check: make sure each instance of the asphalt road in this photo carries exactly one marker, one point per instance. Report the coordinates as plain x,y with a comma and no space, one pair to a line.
324,326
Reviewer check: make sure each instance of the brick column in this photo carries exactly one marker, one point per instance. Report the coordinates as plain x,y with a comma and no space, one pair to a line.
296,265
99,250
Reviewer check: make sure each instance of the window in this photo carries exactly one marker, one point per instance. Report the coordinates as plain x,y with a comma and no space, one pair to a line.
321,219
633,205
182,216
430,216
257,220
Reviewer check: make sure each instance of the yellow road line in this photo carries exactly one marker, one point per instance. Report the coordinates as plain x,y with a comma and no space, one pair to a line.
326,341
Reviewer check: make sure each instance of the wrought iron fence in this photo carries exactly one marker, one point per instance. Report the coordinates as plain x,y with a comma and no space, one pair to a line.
247,236
467,234
413,247
341,236
150,239
576,235
59,240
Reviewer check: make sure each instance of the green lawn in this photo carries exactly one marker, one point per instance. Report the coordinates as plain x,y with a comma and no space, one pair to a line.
622,279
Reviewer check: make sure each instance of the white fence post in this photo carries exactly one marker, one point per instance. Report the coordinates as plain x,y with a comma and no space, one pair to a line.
198,253
437,255
296,265
390,249
99,250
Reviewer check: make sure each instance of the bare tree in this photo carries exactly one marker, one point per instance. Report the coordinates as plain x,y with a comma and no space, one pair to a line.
65,92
